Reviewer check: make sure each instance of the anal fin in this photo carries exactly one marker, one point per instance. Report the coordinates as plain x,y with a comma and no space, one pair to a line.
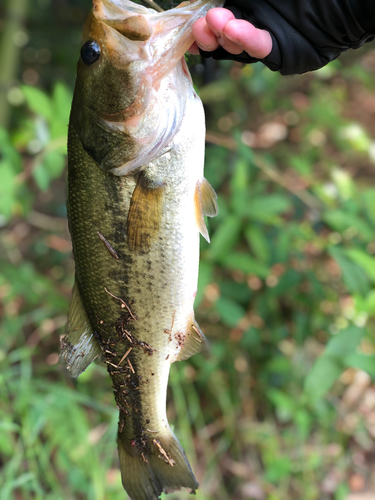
205,200
79,347
194,342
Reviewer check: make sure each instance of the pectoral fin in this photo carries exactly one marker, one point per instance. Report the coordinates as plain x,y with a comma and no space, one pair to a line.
146,208
79,347
205,204
195,342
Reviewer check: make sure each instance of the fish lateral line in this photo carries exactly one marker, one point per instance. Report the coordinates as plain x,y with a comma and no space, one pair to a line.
108,246
123,303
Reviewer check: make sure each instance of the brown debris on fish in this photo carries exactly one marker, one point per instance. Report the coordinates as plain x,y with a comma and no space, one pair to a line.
136,205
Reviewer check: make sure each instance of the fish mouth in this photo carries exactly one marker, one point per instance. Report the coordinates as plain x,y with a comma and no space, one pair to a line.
160,36
149,47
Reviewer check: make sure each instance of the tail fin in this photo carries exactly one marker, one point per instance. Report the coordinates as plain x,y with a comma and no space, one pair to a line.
162,466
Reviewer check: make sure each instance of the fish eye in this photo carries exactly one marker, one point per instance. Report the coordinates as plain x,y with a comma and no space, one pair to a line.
90,52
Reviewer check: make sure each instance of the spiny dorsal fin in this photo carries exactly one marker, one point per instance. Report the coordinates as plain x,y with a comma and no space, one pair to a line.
195,342
205,204
79,347
145,212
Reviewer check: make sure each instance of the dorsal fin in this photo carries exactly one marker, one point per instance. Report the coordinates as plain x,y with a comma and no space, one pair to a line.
79,347
205,204
194,342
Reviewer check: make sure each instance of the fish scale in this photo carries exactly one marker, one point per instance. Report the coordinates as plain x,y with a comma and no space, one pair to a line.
135,208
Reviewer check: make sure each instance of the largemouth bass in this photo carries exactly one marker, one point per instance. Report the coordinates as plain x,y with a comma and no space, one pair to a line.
136,204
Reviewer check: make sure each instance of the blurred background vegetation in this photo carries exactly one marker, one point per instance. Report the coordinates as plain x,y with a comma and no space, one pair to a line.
284,405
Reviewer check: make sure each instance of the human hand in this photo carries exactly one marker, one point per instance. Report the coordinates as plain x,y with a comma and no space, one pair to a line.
220,28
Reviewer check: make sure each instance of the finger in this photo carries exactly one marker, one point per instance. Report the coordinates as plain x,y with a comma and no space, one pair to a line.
256,42
193,49
229,45
204,37
217,19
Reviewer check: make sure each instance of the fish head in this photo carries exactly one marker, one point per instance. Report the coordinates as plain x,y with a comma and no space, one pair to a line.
132,80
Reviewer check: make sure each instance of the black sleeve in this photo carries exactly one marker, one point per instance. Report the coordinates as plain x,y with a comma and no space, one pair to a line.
306,34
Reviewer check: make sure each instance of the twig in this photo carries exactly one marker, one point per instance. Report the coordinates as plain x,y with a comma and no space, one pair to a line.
108,246
200,337
124,304
164,453
124,356
131,366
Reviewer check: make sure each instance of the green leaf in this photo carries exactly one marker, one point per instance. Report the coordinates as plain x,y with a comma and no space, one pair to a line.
224,238
204,279
354,276
258,242
323,375
341,221
284,403
367,262
303,420
240,178
369,303
8,151
239,292
42,177
38,102
7,189
365,362
62,101
245,263
368,197
287,283
277,469
230,312
328,368
54,162
267,207
239,187
345,342
302,165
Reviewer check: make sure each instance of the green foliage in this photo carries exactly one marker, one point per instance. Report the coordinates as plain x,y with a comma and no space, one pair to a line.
337,356
286,296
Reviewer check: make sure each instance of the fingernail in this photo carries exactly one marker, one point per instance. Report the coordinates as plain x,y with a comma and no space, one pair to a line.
207,48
